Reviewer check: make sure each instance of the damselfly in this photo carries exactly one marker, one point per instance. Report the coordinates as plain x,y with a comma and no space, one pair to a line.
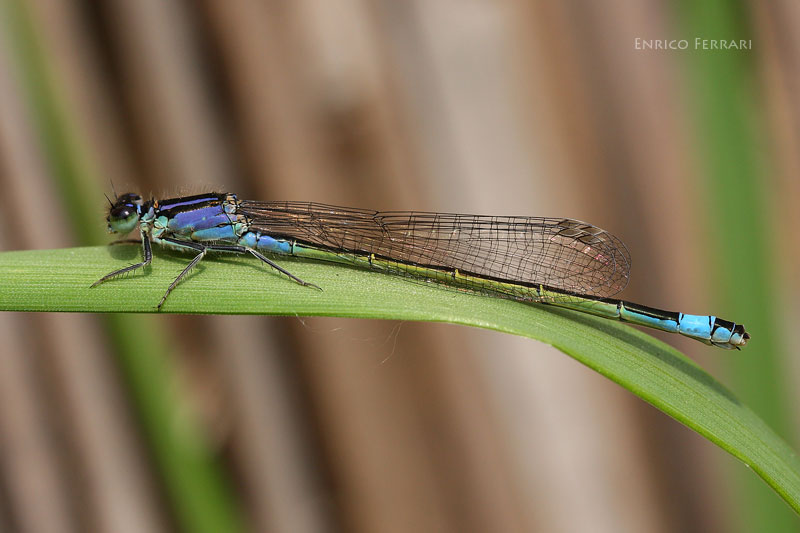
554,261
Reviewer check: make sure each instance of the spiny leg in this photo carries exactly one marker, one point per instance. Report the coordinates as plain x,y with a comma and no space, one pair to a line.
148,256
202,249
245,250
282,270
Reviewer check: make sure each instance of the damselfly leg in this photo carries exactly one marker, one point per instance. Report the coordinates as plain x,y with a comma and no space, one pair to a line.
202,249
148,256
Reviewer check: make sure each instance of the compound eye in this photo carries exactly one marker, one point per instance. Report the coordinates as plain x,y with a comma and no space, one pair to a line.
122,219
121,212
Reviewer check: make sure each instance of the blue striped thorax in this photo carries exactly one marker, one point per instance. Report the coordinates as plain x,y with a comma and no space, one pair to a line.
201,218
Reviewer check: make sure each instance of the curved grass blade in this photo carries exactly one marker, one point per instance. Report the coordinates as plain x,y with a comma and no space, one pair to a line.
58,280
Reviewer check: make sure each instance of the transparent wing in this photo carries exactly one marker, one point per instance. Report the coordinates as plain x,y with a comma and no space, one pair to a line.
564,254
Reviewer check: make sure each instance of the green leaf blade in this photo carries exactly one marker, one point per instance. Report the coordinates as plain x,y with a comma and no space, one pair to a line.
59,280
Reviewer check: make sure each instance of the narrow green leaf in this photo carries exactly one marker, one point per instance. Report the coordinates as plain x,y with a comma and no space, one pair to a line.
58,280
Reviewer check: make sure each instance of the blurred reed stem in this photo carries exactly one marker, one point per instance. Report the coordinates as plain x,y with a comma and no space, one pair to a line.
200,495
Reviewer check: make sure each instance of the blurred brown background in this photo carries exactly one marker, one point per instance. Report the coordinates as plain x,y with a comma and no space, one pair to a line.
196,423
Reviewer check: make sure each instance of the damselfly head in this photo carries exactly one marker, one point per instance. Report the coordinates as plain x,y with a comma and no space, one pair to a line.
124,213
